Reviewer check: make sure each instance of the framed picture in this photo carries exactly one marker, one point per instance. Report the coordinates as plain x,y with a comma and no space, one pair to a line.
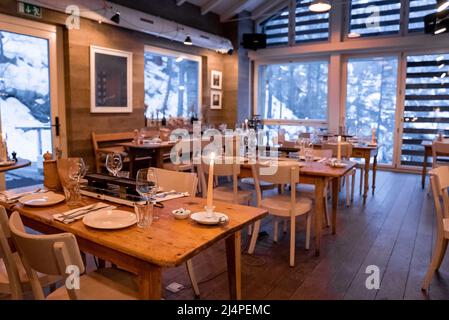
110,81
216,79
215,99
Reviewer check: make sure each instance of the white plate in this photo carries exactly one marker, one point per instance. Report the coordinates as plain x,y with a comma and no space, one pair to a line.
201,218
110,219
42,199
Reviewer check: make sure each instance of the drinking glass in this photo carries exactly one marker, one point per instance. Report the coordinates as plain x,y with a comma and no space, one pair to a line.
70,172
144,214
147,186
114,163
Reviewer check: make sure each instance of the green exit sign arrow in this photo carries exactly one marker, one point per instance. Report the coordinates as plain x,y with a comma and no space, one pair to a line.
30,9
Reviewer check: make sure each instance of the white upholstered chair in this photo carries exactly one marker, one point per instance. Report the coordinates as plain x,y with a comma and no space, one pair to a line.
59,255
288,205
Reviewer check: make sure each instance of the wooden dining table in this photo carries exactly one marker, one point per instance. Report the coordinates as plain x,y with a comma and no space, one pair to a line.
319,175
20,163
365,152
166,243
155,150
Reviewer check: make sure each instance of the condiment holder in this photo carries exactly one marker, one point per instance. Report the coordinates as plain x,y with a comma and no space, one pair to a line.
181,213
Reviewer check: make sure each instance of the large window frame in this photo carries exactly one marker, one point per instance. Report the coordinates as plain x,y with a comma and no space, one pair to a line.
337,49
286,122
179,54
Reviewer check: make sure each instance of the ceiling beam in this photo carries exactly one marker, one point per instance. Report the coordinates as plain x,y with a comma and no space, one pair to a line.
180,2
236,8
209,6
265,8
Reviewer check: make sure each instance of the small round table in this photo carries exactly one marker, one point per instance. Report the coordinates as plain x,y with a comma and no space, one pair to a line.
19,164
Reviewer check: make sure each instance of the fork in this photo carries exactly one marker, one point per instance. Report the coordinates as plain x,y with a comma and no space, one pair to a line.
92,206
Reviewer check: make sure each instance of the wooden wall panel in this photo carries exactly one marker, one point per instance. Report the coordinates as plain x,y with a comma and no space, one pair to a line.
80,122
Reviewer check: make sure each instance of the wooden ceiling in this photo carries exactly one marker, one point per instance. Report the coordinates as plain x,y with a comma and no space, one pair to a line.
227,9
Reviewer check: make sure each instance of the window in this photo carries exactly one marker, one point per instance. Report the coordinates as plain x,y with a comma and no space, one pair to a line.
375,17
426,109
371,101
276,29
172,84
293,91
418,10
310,26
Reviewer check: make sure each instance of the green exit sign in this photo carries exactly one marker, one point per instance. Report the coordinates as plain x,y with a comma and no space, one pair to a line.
30,9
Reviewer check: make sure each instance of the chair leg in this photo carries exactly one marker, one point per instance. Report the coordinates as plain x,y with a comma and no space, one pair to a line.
284,227
437,257
326,212
353,185
192,277
252,244
292,241
361,181
308,227
276,230
348,202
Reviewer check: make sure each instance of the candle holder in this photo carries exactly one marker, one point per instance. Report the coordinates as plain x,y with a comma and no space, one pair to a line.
210,212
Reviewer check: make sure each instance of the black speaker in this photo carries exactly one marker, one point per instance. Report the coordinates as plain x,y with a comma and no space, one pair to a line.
254,41
437,23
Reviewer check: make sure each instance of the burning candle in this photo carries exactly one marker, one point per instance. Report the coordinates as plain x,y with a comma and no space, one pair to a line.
210,184
246,124
339,148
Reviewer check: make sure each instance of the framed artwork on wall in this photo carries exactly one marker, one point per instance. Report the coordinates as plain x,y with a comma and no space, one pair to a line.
216,79
110,80
215,99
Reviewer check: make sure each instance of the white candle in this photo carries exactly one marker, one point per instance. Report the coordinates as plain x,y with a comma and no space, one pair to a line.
339,148
246,124
210,184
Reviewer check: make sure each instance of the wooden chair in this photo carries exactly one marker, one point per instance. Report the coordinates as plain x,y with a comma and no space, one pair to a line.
106,143
307,190
439,181
284,206
346,152
179,165
181,182
13,278
59,255
225,193
440,149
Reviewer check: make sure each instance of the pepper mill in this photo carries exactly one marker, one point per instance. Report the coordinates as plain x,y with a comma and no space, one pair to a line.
51,176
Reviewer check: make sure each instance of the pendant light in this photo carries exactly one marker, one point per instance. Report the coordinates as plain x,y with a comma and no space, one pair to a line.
320,6
442,5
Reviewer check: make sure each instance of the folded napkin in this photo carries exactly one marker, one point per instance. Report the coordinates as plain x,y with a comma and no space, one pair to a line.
79,213
12,196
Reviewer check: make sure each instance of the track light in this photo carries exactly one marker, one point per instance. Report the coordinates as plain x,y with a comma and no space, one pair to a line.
116,17
320,6
442,5
188,41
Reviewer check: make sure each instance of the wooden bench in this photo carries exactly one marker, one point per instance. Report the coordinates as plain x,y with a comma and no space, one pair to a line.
106,143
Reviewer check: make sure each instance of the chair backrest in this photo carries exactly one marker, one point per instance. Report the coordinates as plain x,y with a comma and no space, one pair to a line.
439,181
47,254
289,144
220,170
439,148
179,181
287,173
7,254
306,135
108,139
322,153
346,149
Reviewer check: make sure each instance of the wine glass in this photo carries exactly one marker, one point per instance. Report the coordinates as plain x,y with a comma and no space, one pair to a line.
147,185
114,163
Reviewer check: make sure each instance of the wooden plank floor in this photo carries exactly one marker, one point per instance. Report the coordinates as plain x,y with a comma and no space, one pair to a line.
394,231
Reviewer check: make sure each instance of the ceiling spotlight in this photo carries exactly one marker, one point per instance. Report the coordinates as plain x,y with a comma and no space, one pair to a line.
353,35
188,41
320,6
116,17
442,5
